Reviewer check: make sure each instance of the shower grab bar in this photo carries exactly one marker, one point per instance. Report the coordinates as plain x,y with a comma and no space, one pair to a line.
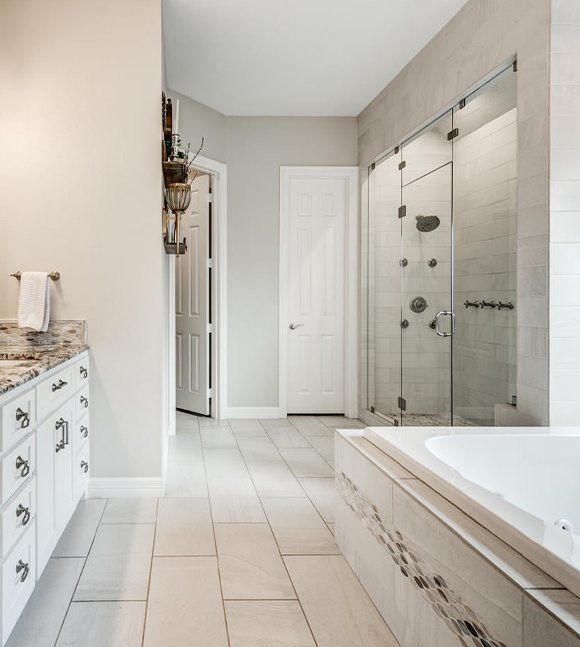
445,313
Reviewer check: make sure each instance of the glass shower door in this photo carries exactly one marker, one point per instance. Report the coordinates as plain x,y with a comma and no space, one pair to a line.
384,289
427,295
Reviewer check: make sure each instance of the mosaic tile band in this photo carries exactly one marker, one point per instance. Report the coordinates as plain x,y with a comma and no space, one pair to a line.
447,604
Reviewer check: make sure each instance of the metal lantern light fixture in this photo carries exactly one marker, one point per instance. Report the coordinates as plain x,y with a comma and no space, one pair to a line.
178,198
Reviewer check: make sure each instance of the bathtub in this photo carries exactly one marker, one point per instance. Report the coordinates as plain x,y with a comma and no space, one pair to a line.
522,484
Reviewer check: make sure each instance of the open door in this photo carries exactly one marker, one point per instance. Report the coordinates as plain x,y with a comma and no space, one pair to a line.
192,304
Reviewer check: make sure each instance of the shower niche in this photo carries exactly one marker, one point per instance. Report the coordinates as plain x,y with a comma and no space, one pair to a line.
441,233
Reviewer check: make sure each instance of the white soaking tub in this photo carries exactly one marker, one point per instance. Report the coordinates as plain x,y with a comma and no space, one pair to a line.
522,484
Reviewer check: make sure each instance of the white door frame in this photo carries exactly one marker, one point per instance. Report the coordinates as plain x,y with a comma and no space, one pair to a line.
219,396
350,175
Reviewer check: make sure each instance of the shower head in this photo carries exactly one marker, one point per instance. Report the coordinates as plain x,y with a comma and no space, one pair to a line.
427,223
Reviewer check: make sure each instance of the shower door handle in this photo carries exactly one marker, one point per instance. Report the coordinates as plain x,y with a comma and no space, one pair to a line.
445,313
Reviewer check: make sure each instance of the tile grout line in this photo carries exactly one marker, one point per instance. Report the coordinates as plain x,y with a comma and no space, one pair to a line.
150,575
81,573
202,449
274,536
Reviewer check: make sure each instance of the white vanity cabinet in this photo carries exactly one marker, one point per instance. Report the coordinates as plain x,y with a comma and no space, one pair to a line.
44,467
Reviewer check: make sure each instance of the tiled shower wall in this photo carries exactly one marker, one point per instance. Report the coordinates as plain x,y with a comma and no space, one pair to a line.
485,194
481,38
565,214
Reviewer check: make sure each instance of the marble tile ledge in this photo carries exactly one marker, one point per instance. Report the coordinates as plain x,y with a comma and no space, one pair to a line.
32,353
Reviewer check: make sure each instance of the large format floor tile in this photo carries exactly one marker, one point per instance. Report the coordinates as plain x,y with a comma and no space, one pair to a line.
41,620
306,462
274,479
185,604
298,528
257,449
184,527
287,437
322,492
272,623
132,510
310,426
250,565
96,624
247,427
118,565
217,437
186,479
324,445
340,422
338,609
78,536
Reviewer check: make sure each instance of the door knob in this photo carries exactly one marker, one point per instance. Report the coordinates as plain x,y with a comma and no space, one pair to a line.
293,326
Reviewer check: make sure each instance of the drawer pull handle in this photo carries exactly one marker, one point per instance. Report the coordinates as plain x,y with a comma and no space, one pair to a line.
23,466
84,466
23,417
84,372
21,510
62,424
84,431
60,385
84,401
23,568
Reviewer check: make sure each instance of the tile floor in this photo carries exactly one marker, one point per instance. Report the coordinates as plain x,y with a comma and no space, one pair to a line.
239,553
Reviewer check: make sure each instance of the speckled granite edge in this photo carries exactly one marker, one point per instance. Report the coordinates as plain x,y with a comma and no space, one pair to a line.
60,333
61,342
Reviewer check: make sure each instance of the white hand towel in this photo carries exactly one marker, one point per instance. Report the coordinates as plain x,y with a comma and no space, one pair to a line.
34,301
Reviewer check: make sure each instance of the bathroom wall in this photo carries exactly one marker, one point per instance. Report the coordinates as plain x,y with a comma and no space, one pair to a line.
565,214
254,148
481,38
80,192
484,347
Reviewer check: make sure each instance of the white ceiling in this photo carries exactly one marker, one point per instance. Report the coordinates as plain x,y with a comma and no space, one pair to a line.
294,57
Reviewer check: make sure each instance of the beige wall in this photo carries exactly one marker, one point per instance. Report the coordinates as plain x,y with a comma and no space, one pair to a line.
80,192
254,148
481,38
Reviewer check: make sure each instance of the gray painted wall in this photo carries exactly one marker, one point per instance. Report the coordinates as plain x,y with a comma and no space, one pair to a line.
482,37
254,148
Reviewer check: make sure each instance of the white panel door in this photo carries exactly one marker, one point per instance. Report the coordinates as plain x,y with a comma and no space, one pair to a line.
192,304
315,295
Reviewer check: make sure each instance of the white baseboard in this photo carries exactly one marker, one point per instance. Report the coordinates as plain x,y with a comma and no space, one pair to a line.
252,412
103,488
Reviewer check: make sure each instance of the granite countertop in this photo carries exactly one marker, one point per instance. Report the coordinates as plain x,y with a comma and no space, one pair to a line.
31,354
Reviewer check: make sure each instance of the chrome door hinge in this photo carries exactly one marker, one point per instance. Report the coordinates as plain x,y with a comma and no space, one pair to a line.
210,328
402,403
402,165
452,134
402,211
210,197
209,263
373,166
210,393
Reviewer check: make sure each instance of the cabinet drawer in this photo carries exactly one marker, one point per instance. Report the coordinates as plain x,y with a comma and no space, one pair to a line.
17,418
54,390
81,471
18,466
18,578
82,372
18,515
82,402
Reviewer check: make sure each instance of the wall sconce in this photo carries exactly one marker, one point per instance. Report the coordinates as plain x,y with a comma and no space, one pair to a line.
176,178
178,197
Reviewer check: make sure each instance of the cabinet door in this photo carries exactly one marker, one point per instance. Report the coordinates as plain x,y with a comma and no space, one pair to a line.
63,475
45,452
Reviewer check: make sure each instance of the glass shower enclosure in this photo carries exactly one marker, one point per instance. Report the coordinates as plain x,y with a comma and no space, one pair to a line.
441,275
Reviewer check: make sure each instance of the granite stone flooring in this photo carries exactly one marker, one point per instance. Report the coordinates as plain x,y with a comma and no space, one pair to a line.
239,553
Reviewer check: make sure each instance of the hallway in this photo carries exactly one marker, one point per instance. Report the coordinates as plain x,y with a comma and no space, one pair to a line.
239,553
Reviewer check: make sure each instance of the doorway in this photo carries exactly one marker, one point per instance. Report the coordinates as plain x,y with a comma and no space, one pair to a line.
318,290
197,301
